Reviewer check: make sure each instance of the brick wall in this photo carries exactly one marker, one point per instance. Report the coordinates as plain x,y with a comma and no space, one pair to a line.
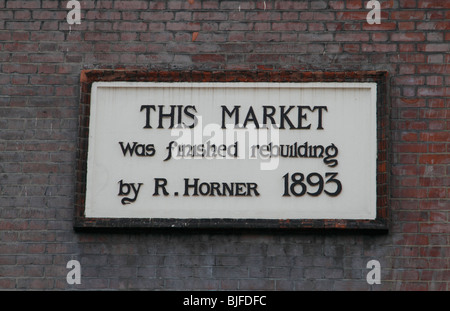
41,58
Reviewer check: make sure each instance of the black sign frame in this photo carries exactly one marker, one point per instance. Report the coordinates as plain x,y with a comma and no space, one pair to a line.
379,224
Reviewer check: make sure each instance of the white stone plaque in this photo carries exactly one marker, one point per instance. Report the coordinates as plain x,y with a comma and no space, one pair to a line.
232,150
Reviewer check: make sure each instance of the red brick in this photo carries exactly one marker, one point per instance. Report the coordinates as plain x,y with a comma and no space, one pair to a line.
408,36
434,228
314,37
407,170
22,25
407,15
161,5
407,275
434,113
318,4
19,79
413,239
408,136
337,4
183,26
435,58
130,26
433,91
28,4
435,80
433,4
354,4
410,147
208,58
434,159
99,36
159,15
404,26
417,193
46,58
17,47
433,182
410,80
406,159
290,5
19,68
45,14
234,26
102,15
130,16
131,5
409,113
351,48
408,4
236,36
380,37
290,26
65,91
354,36
352,15
432,68
438,216
406,181
435,103
22,15
435,136
381,26
406,69
262,27
433,47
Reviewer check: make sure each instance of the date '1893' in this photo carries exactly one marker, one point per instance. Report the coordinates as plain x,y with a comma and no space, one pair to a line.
296,186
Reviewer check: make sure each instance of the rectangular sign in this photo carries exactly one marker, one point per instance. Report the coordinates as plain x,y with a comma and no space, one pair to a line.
179,150
232,150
